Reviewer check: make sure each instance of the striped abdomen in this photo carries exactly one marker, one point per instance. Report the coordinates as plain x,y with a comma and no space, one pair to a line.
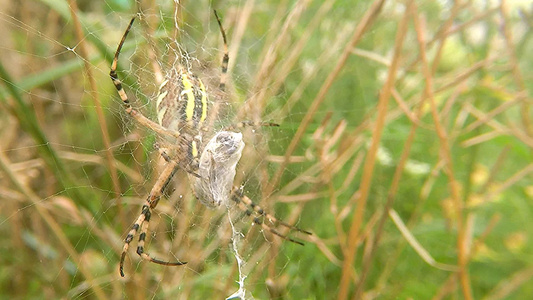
182,102
182,107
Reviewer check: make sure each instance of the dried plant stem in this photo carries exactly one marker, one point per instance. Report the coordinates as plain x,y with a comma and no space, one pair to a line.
5,165
387,210
499,128
269,60
363,26
279,76
99,111
448,166
517,74
507,286
444,34
28,121
238,32
368,167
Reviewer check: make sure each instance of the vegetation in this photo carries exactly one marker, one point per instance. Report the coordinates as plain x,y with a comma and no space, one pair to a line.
405,147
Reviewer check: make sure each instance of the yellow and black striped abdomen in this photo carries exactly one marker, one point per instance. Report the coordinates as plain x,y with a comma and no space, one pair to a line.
182,102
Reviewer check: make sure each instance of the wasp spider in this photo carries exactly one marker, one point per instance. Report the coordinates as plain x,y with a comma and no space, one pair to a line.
182,110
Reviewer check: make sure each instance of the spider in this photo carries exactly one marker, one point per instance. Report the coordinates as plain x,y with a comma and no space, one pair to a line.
182,110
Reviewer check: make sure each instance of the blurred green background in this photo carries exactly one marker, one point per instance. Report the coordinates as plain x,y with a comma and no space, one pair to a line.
405,147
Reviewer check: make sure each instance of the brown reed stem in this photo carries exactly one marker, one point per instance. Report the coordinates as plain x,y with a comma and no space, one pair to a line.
99,111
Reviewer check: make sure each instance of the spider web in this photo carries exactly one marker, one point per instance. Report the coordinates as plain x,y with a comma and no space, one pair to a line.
136,66
201,57
64,214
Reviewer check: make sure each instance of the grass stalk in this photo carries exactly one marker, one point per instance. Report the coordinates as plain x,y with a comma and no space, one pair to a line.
367,20
110,160
368,167
445,151
28,121
56,229
513,61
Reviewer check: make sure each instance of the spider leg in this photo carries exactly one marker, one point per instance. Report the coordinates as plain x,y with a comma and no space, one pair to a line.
140,246
246,204
244,124
247,201
140,220
225,58
223,79
162,152
274,231
125,101
166,157
258,221
143,220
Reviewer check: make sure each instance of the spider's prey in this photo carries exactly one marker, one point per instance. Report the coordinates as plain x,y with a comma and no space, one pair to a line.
216,168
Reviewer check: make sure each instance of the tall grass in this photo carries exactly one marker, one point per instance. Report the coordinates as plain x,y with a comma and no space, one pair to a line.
404,147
